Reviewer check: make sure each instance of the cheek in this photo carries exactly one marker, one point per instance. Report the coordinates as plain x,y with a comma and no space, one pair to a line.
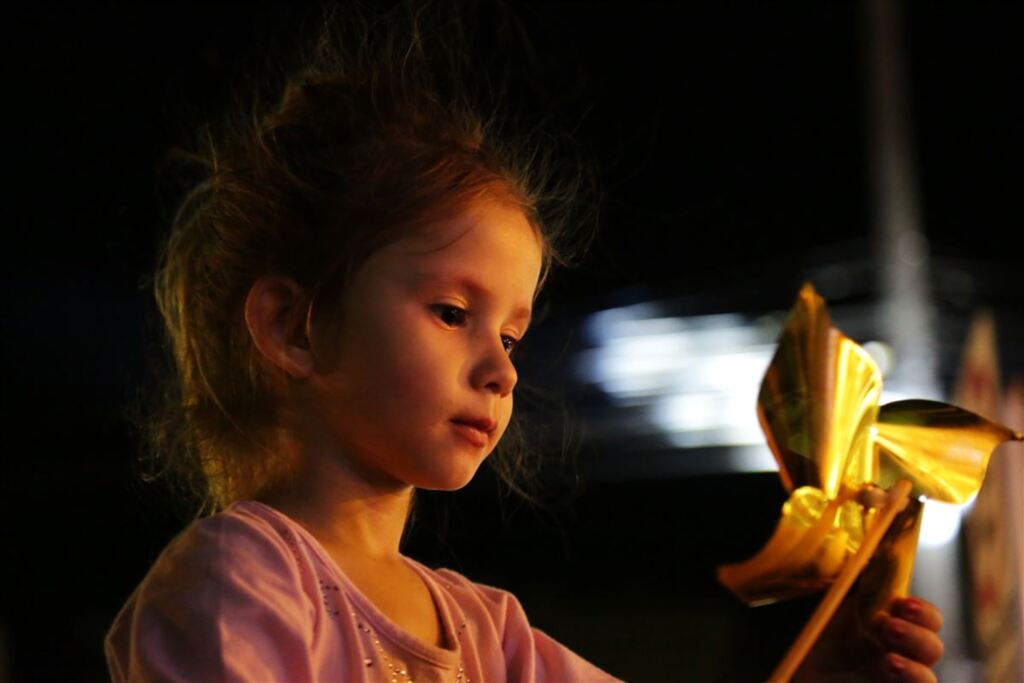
420,362
416,377
504,417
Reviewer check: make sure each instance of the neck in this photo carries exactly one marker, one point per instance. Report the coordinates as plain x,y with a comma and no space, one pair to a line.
348,513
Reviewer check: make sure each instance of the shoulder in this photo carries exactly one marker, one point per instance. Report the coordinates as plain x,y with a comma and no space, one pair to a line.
453,580
226,580
239,558
246,535
500,605
227,586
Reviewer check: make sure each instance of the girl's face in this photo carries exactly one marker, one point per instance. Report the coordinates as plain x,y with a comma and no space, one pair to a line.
422,388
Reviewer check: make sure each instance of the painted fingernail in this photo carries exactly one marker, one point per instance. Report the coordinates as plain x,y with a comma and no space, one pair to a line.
897,629
895,667
911,606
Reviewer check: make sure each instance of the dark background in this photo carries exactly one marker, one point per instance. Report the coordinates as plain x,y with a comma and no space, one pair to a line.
733,145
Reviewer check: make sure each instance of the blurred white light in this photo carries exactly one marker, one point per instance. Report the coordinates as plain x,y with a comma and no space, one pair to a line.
912,247
892,392
693,381
726,418
882,354
940,524
751,459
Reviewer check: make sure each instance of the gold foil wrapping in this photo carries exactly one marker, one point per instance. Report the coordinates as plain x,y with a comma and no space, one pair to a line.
819,409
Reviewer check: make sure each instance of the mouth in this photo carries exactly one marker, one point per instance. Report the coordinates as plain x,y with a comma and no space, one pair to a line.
483,424
475,430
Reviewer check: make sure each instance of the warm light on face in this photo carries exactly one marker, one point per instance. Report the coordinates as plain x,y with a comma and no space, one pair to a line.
423,388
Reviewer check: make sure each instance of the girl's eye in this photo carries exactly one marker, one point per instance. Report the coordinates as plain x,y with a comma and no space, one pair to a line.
510,343
452,316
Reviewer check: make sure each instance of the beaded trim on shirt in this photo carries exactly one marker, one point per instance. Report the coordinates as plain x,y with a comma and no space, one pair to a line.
327,588
293,545
460,674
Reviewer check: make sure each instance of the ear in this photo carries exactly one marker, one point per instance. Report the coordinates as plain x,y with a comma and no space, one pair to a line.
276,320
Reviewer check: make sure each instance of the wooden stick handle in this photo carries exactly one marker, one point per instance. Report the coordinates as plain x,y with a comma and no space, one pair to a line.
896,500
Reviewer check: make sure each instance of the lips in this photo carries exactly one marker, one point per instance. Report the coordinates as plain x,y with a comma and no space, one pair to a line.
475,430
484,424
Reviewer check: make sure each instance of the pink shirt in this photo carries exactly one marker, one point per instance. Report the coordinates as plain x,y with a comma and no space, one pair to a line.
249,595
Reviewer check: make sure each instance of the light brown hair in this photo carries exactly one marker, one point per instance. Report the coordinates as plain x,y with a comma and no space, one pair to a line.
376,131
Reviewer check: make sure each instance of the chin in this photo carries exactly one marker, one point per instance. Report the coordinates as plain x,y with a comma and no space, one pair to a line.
450,480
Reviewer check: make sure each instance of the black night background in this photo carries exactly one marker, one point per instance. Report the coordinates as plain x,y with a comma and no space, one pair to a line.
733,144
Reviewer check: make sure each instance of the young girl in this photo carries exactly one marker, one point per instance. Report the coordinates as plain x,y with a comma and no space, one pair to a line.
343,295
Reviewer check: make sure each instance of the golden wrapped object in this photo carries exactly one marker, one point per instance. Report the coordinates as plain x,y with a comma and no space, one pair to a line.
836,449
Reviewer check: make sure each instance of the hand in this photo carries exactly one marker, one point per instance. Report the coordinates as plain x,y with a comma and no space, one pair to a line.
910,639
900,646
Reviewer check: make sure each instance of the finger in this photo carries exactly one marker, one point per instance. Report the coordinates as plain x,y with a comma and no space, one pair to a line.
918,611
910,640
902,670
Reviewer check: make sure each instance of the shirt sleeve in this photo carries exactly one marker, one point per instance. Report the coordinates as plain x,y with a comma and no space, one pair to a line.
529,654
225,602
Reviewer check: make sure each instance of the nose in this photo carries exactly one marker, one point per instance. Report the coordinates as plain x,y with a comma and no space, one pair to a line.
494,371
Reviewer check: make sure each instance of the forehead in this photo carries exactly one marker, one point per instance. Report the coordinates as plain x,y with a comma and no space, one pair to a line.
488,239
505,224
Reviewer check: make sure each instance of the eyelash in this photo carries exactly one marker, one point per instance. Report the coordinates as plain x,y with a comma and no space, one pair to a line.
444,312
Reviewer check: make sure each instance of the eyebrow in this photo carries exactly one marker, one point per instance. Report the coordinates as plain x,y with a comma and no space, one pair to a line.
466,282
